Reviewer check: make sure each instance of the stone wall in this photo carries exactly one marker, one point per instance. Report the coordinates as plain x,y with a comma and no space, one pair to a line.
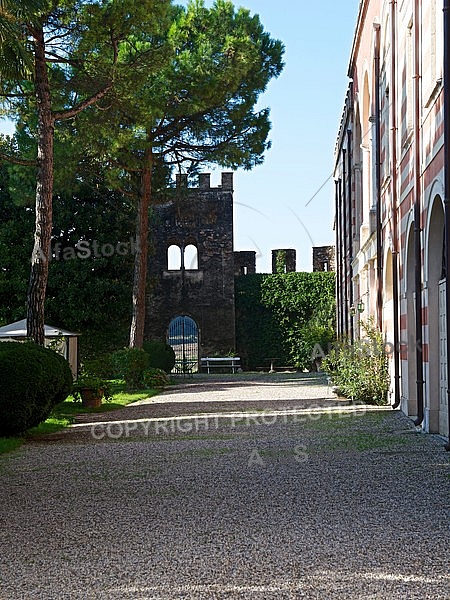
284,261
324,258
244,262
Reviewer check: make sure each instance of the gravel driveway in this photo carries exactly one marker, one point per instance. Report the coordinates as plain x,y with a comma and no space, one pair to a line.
264,487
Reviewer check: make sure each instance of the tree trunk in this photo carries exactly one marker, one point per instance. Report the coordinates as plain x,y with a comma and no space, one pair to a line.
44,191
141,255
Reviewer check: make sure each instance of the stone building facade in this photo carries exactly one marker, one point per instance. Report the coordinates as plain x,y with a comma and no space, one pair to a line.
392,166
191,265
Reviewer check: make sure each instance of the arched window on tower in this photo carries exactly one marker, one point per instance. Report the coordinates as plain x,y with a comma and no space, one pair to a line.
174,258
190,257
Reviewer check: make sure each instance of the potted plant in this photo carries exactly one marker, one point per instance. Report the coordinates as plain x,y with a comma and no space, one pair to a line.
91,390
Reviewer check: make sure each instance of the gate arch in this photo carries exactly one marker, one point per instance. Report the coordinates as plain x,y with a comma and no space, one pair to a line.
183,336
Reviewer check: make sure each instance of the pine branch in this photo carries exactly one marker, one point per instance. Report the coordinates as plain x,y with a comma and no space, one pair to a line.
75,110
18,161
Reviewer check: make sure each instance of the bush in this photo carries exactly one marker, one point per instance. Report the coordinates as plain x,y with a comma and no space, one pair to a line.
360,369
99,367
129,364
34,379
155,378
161,355
318,332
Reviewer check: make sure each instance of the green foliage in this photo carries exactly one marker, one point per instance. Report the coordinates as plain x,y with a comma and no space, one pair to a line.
88,295
284,316
92,382
14,59
34,379
76,57
154,378
258,334
8,444
316,335
192,99
280,262
207,68
222,60
129,364
360,369
161,355
100,366
16,243
97,344
88,290
304,305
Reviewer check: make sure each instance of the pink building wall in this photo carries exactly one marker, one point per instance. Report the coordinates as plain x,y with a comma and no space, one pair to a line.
406,181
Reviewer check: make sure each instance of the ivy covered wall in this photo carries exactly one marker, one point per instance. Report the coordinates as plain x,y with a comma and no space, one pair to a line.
284,316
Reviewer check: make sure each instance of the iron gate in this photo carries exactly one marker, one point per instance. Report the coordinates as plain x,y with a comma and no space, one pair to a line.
183,337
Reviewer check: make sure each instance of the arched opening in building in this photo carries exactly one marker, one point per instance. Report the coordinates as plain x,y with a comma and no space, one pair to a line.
183,336
191,257
410,333
174,258
437,358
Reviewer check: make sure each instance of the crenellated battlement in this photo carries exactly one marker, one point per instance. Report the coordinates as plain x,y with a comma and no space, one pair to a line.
204,181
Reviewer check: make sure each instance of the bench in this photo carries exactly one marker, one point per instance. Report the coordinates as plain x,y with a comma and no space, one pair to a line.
231,363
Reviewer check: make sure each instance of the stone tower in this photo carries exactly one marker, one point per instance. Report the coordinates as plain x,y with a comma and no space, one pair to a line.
191,265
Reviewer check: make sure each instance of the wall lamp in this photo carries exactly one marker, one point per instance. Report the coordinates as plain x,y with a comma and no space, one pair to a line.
358,308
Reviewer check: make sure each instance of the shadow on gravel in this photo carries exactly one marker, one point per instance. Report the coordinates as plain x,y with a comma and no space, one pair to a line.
202,382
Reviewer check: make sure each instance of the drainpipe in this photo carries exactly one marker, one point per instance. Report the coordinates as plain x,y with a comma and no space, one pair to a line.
447,188
350,224
417,221
338,259
394,199
341,257
377,29
342,260
344,219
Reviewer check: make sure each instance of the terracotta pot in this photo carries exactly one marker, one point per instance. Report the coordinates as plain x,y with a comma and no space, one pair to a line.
91,398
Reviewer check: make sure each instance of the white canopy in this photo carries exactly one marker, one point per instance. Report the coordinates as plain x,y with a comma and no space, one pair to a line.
19,329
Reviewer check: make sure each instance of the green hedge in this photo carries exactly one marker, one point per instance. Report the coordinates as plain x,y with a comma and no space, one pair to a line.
284,316
258,332
34,380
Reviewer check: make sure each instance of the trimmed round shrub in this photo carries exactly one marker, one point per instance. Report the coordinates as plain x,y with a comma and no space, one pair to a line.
154,378
129,364
161,355
34,379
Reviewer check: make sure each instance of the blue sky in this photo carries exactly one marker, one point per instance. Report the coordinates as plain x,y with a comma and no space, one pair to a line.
306,104
278,204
